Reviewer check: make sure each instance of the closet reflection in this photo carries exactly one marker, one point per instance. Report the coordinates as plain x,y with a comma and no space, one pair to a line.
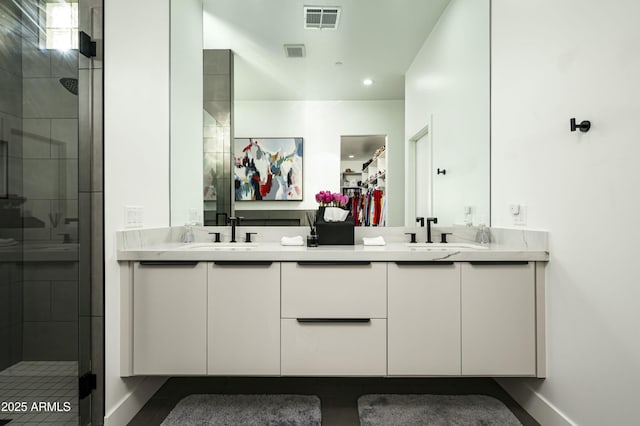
363,162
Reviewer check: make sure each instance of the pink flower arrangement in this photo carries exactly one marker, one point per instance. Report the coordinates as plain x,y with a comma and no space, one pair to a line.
327,198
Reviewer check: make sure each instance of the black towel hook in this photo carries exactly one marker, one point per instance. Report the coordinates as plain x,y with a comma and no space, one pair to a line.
442,171
584,126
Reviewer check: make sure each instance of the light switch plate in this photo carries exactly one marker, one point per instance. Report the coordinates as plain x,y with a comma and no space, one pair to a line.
133,216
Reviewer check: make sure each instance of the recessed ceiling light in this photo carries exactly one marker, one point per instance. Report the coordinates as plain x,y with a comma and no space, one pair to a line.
338,62
351,156
367,82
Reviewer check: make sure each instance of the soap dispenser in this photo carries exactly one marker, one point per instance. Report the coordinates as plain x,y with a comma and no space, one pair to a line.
187,237
483,236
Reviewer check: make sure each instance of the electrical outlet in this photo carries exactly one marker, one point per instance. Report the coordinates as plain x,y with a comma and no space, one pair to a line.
467,215
193,216
518,213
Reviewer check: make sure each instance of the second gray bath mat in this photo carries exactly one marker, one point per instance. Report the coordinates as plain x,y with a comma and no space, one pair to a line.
245,410
432,410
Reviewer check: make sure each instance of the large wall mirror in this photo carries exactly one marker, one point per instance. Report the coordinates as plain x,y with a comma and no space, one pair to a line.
319,78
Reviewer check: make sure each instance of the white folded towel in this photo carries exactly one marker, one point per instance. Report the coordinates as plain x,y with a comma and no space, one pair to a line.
335,214
373,241
292,241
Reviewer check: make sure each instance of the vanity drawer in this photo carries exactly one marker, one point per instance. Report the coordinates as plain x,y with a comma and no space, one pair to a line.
334,289
334,348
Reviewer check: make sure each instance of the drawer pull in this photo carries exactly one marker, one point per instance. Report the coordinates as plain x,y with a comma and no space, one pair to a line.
423,262
168,263
243,263
332,320
334,263
499,262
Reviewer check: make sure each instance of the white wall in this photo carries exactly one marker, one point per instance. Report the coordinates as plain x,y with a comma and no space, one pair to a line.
186,110
320,124
136,117
449,79
552,61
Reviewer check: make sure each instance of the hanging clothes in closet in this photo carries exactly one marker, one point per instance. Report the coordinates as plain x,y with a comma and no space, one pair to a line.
368,208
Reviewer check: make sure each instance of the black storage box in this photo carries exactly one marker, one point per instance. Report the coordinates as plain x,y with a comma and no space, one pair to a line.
335,233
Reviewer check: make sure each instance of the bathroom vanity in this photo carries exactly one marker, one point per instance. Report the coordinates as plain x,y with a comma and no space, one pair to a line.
269,310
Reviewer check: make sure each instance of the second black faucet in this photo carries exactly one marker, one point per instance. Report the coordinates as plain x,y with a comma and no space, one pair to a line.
233,221
430,220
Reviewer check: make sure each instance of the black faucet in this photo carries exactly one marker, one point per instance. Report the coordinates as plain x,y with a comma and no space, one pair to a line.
421,220
233,221
429,220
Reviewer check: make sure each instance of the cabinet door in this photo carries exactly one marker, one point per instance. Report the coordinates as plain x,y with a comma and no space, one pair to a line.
169,318
424,319
498,319
244,319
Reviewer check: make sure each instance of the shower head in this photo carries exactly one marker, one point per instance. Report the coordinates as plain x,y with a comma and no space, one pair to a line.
71,84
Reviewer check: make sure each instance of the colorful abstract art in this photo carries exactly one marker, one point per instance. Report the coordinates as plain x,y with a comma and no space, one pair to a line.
268,169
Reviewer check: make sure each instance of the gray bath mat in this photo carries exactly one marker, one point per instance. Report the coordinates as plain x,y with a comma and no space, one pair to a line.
245,410
422,410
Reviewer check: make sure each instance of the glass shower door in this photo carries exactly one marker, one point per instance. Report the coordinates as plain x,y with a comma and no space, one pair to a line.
44,294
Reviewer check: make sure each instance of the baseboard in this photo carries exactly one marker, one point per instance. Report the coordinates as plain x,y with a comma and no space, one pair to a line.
131,403
535,404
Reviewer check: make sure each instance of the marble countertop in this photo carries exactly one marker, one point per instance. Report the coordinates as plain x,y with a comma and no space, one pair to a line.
276,252
161,245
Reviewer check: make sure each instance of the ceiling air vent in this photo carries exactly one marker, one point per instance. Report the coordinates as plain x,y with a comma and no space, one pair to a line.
294,50
321,17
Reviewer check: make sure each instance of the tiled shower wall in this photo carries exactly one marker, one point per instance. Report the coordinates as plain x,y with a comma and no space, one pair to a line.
50,311
10,314
218,132
10,135
50,135
50,185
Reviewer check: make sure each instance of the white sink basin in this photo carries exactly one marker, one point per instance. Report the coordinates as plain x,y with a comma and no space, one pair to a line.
445,246
220,246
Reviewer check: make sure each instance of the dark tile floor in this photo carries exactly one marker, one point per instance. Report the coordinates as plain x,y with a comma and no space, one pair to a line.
338,395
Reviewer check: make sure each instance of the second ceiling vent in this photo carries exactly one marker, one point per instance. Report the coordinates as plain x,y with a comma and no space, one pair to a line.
321,17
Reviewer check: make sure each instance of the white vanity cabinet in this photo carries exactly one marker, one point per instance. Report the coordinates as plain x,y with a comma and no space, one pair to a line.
424,319
169,318
498,319
334,318
244,318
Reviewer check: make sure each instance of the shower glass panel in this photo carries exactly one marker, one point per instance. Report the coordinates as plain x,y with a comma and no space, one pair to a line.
41,295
